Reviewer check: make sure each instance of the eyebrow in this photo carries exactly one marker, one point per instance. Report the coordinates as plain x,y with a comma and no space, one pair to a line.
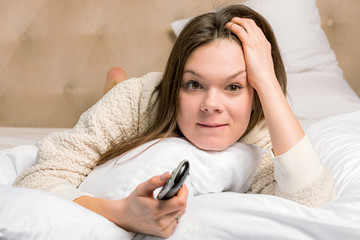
231,76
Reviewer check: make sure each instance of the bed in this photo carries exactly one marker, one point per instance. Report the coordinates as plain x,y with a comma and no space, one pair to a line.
327,106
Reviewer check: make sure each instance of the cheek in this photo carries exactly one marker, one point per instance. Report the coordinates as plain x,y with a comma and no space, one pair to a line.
183,102
186,109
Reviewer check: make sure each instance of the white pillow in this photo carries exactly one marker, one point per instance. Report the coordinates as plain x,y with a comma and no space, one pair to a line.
315,95
297,27
230,170
336,140
14,161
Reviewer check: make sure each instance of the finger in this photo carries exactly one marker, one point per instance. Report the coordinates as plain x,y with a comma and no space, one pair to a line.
238,30
182,213
179,216
147,188
168,230
178,202
248,24
250,27
166,225
175,220
183,192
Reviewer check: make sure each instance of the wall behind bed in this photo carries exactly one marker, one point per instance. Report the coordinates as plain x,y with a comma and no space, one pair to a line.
54,55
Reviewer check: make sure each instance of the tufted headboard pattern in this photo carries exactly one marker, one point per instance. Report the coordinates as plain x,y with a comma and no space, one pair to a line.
54,55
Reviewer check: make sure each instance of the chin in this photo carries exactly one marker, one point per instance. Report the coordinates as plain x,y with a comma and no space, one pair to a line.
211,146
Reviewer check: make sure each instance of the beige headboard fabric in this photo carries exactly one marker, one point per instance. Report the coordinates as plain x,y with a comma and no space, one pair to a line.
54,55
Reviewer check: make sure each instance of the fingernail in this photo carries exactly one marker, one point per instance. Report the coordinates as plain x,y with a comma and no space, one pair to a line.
164,176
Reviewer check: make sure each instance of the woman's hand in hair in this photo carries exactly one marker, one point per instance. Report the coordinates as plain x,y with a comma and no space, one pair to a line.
257,52
285,130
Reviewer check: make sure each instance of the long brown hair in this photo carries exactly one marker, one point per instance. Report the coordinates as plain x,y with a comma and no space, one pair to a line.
200,30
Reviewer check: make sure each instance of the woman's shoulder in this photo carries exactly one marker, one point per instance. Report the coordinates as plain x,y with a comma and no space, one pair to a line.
152,77
146,82
148,79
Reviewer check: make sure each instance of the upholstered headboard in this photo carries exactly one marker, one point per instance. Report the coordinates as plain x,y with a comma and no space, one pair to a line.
54,55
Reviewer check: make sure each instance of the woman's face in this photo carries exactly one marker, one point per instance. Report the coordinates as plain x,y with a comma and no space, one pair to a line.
215,97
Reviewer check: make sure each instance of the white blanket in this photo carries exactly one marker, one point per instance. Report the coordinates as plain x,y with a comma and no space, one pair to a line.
32,214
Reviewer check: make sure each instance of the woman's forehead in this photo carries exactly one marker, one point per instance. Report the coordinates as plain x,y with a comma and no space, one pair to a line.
220,56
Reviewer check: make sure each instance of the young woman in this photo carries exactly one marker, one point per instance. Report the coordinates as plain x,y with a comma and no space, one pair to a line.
224,82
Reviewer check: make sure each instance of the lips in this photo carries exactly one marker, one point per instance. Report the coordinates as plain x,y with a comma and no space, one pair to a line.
212,125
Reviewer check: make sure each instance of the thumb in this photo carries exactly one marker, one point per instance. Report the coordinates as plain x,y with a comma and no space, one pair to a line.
147,188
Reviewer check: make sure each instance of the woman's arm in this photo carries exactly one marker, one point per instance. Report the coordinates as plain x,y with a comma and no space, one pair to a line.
65,158
285,130
140,212
299,173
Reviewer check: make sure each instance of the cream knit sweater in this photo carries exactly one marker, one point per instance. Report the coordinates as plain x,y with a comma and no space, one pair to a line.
65,158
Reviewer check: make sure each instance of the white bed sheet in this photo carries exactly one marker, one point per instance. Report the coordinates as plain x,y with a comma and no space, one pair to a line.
32,214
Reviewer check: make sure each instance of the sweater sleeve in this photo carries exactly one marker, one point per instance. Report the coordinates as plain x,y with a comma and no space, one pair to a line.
65,158
301,177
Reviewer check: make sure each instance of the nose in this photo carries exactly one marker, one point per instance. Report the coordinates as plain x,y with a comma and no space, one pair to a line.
212,103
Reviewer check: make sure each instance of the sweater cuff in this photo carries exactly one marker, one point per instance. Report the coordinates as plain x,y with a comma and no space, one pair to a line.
298,167
69,192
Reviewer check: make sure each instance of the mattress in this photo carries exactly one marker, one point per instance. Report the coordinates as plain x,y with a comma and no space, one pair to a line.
11,137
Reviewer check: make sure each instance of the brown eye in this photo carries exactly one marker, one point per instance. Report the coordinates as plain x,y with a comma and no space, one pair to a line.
234,88
193,85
